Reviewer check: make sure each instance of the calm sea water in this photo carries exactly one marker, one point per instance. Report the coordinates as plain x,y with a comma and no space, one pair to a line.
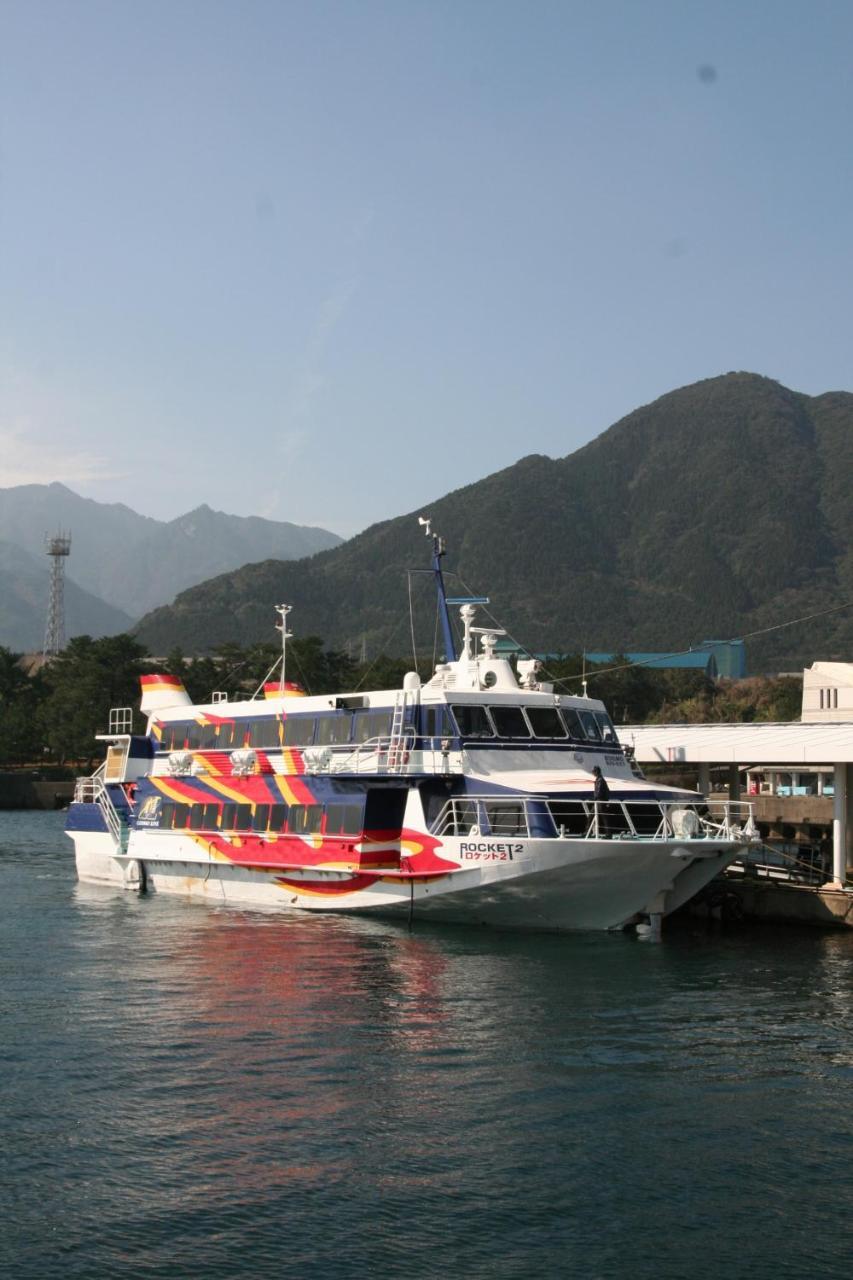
199,1092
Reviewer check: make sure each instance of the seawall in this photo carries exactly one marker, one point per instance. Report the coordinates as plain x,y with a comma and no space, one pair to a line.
26,789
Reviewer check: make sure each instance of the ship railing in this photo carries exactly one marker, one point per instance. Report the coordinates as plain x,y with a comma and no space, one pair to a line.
385,754
93,790
579,819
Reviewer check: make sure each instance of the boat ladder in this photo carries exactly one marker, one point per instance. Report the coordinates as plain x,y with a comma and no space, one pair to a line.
116,824
398,743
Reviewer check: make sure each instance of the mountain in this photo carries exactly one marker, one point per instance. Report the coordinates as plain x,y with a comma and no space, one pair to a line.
135,562
24,591
719,510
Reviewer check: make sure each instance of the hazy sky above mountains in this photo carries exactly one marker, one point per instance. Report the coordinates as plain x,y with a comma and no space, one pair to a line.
324,261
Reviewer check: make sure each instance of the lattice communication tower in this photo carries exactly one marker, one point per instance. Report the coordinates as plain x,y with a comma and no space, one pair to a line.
58,547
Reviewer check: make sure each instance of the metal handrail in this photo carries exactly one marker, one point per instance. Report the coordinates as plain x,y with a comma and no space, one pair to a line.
121,720
93,790
393,752
523,814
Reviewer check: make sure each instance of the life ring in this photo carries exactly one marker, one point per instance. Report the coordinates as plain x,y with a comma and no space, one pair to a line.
135,875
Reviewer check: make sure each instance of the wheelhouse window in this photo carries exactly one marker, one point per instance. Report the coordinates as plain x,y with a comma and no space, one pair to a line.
298,731
608,733
208,736
546,722
333,729
590,725
573,722
472,721
509,722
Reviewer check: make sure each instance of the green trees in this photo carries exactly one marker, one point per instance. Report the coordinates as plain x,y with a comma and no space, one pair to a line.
20,735
81,685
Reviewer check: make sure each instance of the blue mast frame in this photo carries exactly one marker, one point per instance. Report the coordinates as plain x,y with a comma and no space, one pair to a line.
438,550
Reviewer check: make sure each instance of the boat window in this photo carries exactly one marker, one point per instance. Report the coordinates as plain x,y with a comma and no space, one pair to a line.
605,724
332,729
207,736
545,722
193,738
371,724
264,733
211,816
261,817
433,722
305,819
243,817
175,735
509,722
196,815
167,813
472,721
590,725
343,819
298,731
228,813
506,819
228,736
182,812
278,817
573,722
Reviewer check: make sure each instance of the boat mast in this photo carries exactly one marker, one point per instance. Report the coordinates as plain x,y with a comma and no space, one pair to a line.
438,550
283,610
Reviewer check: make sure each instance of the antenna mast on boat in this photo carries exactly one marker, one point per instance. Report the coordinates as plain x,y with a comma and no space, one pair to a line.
438,550
283,610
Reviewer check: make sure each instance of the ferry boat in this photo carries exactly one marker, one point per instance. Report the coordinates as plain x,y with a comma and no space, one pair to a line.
469,797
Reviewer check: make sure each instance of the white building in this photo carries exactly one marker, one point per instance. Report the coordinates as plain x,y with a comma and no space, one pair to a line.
828,692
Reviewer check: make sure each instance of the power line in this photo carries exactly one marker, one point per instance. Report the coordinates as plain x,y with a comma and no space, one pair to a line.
680,653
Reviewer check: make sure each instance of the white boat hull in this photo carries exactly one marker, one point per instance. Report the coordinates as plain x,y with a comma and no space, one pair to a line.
553,884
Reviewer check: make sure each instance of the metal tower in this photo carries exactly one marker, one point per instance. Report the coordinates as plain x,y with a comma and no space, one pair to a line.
57,547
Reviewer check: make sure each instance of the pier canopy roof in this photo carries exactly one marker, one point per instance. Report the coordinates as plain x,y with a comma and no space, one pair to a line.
790,743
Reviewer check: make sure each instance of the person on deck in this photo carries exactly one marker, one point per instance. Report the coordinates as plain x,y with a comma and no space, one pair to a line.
601,793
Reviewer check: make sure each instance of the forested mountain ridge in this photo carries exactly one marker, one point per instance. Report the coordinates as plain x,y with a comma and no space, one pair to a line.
719,509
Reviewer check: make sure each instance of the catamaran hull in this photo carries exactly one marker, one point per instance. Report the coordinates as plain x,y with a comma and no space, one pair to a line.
540,884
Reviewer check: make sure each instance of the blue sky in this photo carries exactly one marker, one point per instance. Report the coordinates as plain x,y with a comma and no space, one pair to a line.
325,262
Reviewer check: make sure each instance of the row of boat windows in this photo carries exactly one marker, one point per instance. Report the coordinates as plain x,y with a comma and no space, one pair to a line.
296,819
271,732
536,722
469,721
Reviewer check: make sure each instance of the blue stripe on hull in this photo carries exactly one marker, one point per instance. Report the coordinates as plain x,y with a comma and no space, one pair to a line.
85,817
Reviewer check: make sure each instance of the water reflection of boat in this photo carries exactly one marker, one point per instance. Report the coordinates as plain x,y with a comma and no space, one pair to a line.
479,796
